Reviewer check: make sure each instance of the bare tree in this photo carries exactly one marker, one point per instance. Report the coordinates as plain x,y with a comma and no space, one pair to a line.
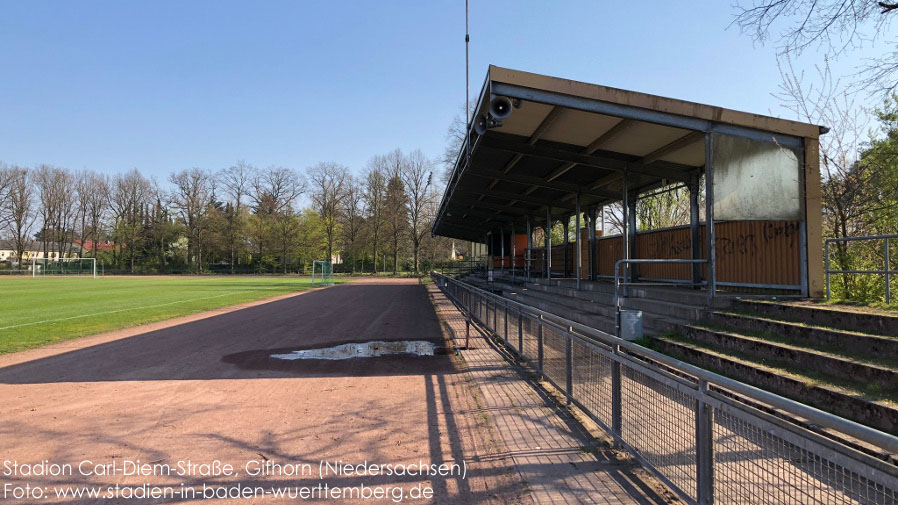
236,182
374,196
352,219
395,205
57,194
94,195
130,194
274,193
328,181
190,197
19,203
847,184
417,176
6,180
836,25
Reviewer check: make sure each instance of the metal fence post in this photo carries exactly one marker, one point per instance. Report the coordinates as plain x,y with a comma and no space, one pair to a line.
495,318
539,346
569,372
616,407
505,333
704,437
520,334
888,276
826,265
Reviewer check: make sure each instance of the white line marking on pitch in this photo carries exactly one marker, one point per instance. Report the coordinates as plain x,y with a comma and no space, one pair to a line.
114,311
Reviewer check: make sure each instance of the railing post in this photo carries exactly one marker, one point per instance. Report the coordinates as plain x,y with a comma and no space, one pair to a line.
505,333
616,397
520,334
888,277
539,346
495,318
569,369
826,265
704,437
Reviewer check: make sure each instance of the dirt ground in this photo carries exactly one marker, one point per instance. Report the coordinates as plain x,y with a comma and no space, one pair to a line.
204,389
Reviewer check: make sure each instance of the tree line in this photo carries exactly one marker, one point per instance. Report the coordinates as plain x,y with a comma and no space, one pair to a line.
241,218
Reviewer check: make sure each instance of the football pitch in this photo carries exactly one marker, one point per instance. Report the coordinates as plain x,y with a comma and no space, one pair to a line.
40,311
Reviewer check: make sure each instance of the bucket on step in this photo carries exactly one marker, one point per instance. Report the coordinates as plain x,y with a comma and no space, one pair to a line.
631,324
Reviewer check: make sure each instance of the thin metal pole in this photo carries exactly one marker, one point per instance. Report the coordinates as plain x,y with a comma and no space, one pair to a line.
539,345
467,88
695,240
567,254
592,244
577,231
631,228
704,436
502,249
616,406
709,218
505,333
569,368
528,256
625,221
514,252
888,275
826,265
548,254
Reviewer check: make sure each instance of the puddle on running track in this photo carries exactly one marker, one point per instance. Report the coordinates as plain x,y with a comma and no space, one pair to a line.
364,350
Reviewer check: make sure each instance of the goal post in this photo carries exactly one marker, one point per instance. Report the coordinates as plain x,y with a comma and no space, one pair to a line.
64,266
322,273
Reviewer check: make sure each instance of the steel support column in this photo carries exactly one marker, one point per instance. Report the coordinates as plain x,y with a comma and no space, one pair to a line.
577,231
567,255
502,249
513,252
631,228
548,255
694,231
529,253
625,205
592,243
709,218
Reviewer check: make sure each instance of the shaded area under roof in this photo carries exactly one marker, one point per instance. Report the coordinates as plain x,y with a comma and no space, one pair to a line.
565,138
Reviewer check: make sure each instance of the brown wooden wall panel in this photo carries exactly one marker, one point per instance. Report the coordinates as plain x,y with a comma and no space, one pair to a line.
609,250
748,252
675,243
759,252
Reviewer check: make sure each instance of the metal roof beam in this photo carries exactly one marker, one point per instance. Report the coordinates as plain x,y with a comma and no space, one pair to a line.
537,133
594,146
589,160
473,202
537,181
520,198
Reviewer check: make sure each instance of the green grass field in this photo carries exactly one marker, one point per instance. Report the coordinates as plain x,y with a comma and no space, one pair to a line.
41,311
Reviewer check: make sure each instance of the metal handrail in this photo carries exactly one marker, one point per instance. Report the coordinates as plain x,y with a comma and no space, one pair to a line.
886,271
710,393
824,419
617,282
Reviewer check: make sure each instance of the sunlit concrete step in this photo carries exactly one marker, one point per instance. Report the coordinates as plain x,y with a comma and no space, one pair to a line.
833,365
840,401
829,316
813,336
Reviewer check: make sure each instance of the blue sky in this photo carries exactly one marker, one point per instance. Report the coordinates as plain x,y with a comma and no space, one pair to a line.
163,86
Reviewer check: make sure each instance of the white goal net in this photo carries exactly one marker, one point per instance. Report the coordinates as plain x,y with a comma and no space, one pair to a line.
64,266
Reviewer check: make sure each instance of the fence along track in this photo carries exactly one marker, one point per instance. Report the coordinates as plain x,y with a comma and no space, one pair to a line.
683,423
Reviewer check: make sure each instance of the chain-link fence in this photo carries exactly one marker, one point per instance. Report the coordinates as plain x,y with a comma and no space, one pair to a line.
709,438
